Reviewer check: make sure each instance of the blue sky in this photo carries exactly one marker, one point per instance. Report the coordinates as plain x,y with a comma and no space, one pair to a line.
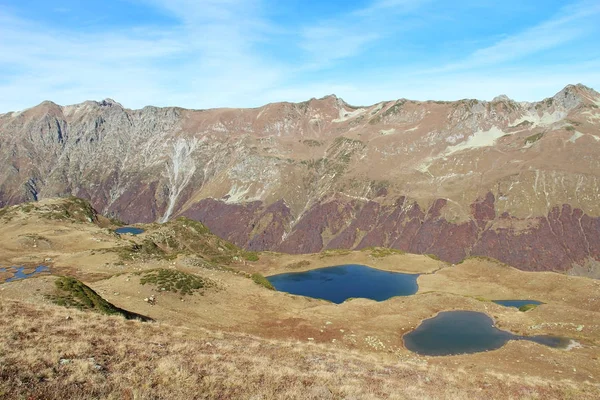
246,53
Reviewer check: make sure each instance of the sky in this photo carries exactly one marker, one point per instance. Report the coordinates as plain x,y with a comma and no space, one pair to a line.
246,53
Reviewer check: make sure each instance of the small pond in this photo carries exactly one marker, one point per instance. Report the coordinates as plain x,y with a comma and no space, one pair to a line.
460,332
517,303
343,282
19,272
129,230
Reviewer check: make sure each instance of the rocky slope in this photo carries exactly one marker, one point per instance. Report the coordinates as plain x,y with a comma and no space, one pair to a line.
515,181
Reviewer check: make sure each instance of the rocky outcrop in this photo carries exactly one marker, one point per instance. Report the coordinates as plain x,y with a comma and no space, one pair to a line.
555,242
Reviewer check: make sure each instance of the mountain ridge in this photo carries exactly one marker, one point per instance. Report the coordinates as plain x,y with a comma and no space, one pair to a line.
300,177
111,102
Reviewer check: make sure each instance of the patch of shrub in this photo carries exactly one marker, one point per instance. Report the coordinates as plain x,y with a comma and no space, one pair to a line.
534,138
380,252
335,252
298,265
251,256
527,307
261,280
433,257
175,281
72,293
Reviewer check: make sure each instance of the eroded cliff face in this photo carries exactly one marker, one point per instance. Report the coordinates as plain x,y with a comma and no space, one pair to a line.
519,182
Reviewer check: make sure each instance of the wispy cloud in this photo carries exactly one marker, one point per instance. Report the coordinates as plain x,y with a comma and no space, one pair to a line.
572,22
350,32
210,53
207,59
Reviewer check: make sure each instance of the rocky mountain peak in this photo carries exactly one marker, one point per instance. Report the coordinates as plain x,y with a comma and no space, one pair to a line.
501,98
573,95
109,103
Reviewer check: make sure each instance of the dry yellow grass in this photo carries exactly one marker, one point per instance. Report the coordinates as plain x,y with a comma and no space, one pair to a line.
239,340
108,357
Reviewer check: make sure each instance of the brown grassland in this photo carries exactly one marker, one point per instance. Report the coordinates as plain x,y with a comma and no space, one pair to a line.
47,352
219,333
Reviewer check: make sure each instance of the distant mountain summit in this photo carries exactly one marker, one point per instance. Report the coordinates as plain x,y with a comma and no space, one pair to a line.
516,181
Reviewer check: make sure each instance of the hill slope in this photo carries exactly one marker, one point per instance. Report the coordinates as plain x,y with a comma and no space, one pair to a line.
220,334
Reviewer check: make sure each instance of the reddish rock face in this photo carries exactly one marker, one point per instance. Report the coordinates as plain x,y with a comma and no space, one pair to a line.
555,242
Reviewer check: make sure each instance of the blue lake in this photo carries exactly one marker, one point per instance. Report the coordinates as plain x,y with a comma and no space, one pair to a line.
340,283
516,303
460,332
129,230
19,272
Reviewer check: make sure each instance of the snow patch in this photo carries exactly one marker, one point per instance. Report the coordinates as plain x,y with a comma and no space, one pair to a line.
592,117
346,115
575,136
476,140
542,120
236,194
573,344
386,132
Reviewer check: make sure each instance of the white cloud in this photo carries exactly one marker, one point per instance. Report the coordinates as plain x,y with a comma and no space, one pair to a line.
351,32
571,23
210,57
206,60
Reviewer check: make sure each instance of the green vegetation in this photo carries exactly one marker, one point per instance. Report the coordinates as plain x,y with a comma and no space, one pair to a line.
523,124
570,128
4,211
71,208
261,280
534,138
433,257
380,252
334,252
73,293
375,120
175,281
393,110
312,143
303,106
36,237
527,307
197,226
146,250
250,256
481,258
27,208
340,153
184,236
357,120
298,264
68,209
378,186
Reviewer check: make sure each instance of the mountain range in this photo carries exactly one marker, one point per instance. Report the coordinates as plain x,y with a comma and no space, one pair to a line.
515,181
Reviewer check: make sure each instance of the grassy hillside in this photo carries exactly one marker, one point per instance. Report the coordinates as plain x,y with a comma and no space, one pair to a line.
184,236
45,355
